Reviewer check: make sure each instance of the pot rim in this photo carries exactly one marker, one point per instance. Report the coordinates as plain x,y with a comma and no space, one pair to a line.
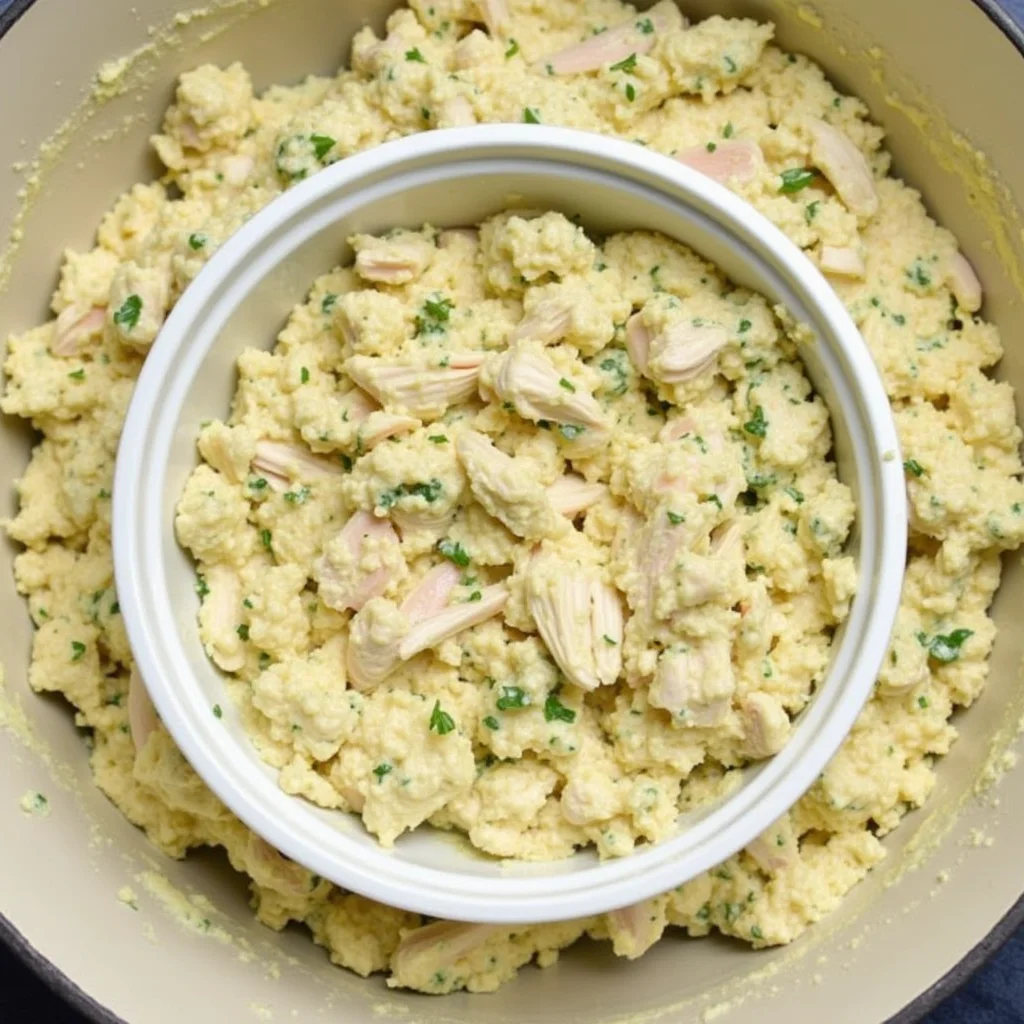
955,978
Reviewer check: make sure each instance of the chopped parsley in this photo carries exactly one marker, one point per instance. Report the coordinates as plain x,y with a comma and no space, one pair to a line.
913,467
202,588
415,56
381,770
609,641
570,431
728,131
197,240
435,315
946,648
556,711
513,49
675,518
304,375
440,721
299,497
919,275
77,650
796,179
454,552
626,65
567,384
730,65
531,115
796,495
243,631
645,26
745,326
127,315
78,374
327,302
757,425
218,712
512,697
630,91
437,439
811,210
429,491
492,723
267,539
322,145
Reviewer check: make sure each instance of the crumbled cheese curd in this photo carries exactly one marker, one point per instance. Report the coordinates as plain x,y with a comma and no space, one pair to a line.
392,657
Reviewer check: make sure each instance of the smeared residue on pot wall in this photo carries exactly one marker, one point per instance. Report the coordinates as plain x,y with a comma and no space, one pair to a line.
994,206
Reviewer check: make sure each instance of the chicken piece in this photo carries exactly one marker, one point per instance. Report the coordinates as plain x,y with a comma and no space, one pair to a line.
964,284
635,36
395,261
661,544
424,951
570,495
842,261
589,797
766,725
283,464
494,14
382,635
471,51
219,618
142,717
270,869
371,56
413,385
340,574
755,632
458,236
684,350
440,626
638,343
695,682
633,930
76,326
380,425
776,849
845,167
729,162
456,112
506,489
525,377
547,323
700,579
579,618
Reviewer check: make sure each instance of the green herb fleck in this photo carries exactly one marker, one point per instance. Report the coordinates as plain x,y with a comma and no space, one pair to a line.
217,711
513,49
267,539
299,497
327,302
435,314
745,326
728,131
627,64
438,439
454,552
492,723
304,375
243,631
757,425
811,210
415,56
440,721
322,145
556,711
913,467
381,770
570,431
796,179
197,240
202,588
796,495
127,315
645,25
531,115
946,648
675,518
609,641
512,697
78,374
77,650
567,384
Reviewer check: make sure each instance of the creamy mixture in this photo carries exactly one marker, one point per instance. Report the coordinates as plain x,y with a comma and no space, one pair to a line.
717,95
533,467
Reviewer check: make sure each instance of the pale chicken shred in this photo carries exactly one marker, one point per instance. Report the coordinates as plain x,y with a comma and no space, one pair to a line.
517,531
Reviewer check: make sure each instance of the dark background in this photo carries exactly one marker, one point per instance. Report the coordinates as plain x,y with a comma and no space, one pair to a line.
994,995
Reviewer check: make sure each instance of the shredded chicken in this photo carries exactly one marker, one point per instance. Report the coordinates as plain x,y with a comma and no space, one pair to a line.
76,326
735,161
570,495
505,489
695,683
845,167
440,944
394,261
684,351
416,384
341,579
579,618
766,725
220,615
964,284
634,929
282,464
142,717
628,37
842,261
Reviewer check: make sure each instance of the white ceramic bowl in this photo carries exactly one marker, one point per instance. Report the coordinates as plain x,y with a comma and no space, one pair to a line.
241,298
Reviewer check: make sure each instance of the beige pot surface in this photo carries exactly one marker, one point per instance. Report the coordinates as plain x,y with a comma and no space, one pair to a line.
929,72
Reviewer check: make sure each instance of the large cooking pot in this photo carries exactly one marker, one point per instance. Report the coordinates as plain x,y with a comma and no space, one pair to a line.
126,933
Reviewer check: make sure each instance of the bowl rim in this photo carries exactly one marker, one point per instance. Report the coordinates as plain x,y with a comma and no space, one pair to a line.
370,870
